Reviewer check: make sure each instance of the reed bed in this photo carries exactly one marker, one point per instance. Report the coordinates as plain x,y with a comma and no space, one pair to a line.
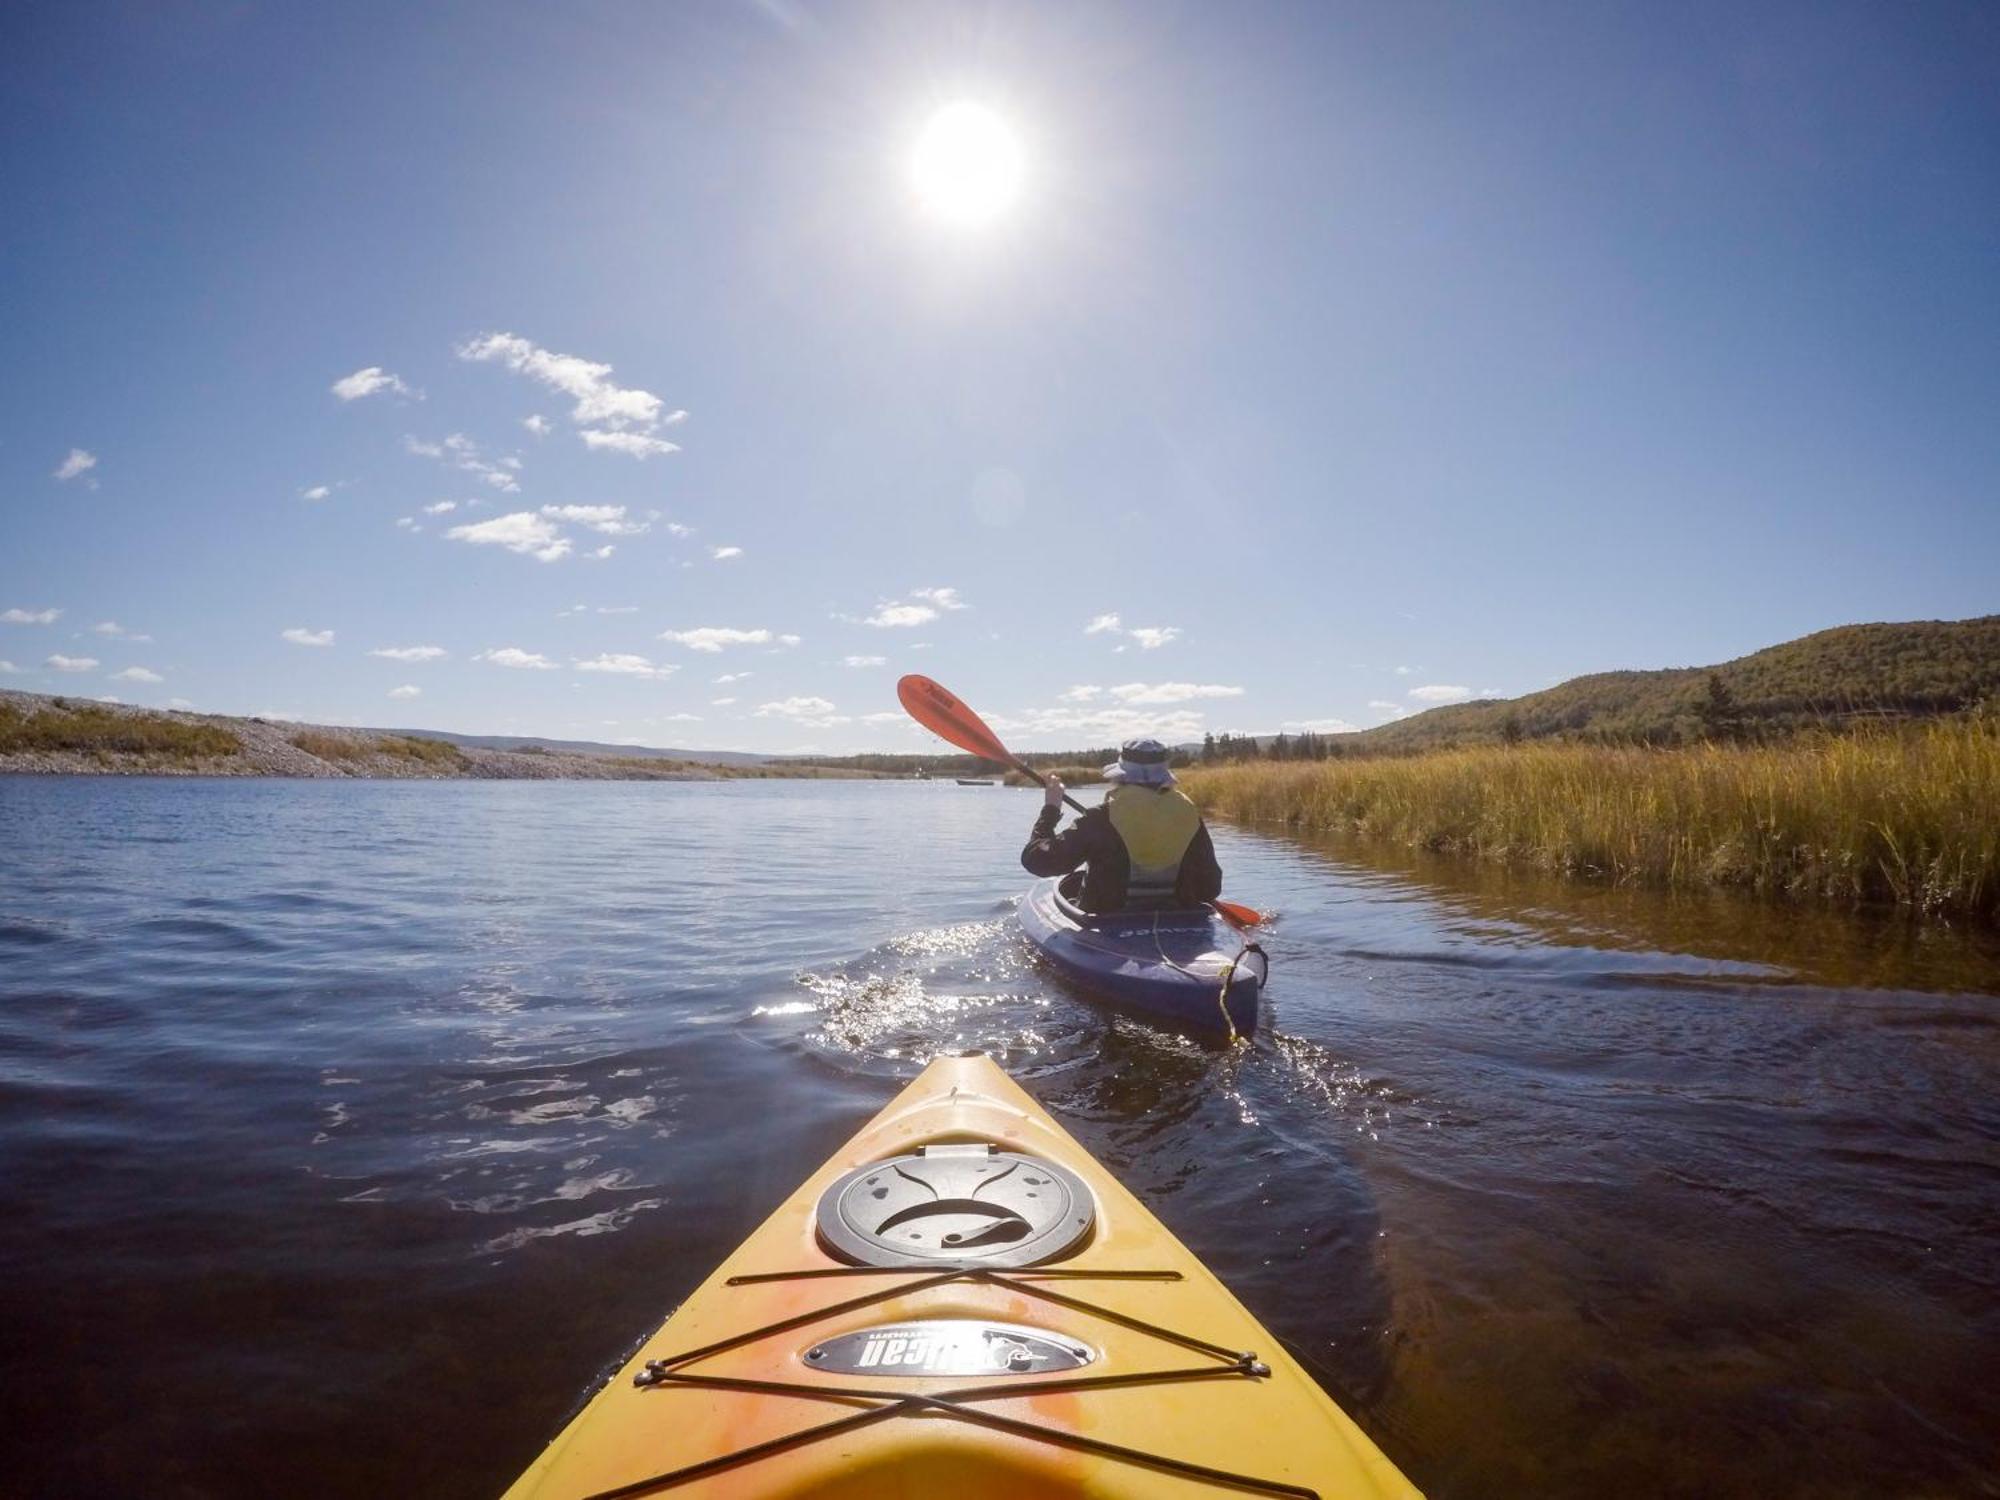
1908,817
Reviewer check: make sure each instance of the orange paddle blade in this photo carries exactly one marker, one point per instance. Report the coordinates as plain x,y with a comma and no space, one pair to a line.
947,718
1237,914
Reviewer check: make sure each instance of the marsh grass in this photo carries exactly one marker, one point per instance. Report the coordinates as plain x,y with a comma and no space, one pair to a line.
91,729
1906,816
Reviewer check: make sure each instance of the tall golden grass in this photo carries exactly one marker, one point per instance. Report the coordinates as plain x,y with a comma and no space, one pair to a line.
1905,816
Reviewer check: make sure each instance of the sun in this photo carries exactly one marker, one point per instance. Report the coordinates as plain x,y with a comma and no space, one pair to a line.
967,165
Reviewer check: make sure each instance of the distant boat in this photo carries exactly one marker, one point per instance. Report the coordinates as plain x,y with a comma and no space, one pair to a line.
972,781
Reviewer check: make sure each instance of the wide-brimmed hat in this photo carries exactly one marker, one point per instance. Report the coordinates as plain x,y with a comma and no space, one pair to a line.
1140,763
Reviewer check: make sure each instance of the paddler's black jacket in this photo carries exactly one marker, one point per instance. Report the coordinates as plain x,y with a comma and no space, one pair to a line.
1092,841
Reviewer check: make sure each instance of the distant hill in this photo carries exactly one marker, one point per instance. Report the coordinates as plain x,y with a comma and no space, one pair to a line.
578,747
1844,675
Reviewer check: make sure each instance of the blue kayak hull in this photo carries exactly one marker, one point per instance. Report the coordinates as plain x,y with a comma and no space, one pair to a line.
1185,969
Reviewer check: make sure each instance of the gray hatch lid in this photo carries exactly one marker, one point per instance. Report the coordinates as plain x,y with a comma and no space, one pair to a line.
973,1204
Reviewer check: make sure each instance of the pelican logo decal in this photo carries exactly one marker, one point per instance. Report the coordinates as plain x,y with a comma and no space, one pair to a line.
948,1346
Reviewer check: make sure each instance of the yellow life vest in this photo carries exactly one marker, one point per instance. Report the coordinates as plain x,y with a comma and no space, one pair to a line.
1156,825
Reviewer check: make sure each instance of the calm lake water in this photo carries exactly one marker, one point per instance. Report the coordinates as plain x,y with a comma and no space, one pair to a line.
350,1132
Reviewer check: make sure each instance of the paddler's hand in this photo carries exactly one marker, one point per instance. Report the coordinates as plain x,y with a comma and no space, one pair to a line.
1052,792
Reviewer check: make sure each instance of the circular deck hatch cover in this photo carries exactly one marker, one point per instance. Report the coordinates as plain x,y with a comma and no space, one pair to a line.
970,1204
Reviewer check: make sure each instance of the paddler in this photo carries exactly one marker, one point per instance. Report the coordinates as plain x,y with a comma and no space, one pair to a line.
1144,848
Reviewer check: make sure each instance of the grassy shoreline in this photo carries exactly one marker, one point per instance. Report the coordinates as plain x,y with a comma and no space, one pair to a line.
1908,817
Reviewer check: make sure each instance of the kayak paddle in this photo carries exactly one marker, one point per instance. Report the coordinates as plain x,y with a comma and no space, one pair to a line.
945,716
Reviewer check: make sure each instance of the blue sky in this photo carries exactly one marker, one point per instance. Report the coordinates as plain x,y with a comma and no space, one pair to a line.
1353,357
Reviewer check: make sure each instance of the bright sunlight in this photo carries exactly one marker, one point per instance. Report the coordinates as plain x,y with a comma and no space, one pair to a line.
967,165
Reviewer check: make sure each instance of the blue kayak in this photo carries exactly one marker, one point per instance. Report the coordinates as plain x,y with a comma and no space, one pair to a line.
1188,969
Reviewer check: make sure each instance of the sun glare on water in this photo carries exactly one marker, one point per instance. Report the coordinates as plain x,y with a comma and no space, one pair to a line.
967,165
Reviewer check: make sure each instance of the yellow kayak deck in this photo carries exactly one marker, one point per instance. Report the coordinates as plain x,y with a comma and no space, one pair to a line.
1179,1391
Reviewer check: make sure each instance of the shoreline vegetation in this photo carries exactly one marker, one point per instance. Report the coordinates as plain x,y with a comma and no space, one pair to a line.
57,736
1903,816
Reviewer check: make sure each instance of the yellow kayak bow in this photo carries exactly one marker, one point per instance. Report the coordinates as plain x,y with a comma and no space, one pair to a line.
962,1304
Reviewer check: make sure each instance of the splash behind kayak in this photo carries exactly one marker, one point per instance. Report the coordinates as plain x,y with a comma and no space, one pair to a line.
961,1303
1185,969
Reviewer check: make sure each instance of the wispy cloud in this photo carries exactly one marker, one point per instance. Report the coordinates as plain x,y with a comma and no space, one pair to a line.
721,702
368,382
31,616
728,677
634,444
80,461
1320,726
943,598
900,616
816,712
1385,707
440,507
298,635
1172,692
864,661
514,656
715,637
618,419
63,663
1083,692
118,632
409,653
609,519
1148,637
624,664
723,554
407,690
317,492
137,674
538,424
1439,692
7,667
1103,725
461,453
519,531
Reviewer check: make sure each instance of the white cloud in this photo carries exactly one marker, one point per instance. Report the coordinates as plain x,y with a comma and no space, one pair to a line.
721,702
1150,637
674,528
1083,692
601,404
367,382
514,656
441,508
728,677
723,554
1320,726
609,519
715,637
461,453
136,674
624,664
1101,623
8,666
1102,725
942,598
118,632
538,424
817,712
80,461
407,690
864,661
637,444
180,703
1382,705
788,640
1403,671
407,523
899,616
298,635
409,653
1441,693
72,663
519,531
602,552
31,616
1172,692
317,492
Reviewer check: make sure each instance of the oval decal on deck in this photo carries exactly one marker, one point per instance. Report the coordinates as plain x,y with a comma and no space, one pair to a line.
948,1346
